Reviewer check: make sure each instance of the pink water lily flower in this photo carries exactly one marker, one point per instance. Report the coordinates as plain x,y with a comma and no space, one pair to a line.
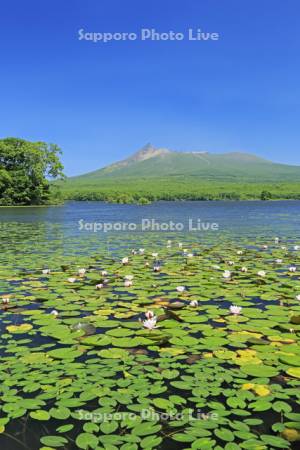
128,283
150,324
235,310
99,286
150,315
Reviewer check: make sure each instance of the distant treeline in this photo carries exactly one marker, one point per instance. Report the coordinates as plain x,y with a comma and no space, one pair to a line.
147,191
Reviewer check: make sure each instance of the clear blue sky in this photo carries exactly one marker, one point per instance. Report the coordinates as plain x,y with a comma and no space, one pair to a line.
101,102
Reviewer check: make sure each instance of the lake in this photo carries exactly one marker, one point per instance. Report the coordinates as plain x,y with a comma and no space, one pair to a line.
83,365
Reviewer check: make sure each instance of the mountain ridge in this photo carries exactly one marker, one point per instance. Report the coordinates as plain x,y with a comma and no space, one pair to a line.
153,162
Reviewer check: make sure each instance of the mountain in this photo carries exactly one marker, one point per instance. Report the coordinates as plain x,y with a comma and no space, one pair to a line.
151,162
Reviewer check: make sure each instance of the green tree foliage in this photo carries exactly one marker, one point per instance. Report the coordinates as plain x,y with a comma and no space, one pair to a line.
26,169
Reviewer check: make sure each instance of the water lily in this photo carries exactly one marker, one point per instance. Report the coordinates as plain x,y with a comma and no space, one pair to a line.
155,255
283,247
156,268
180,244
128,283
265,247
128,277
54,313
141,251
190,255
230,263
235,310
104,273
215,266
5,300
261,273
71,280
180,288
45,271
279,261
99,286
226,274
194,303
150,324
150,315
244,269
81,272
239,252
298,297
125,260
133,252
292,269
297,247
276,240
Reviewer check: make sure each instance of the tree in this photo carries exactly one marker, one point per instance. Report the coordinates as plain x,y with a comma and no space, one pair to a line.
26,169
265,195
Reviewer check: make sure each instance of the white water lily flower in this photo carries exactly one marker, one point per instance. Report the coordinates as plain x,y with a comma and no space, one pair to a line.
46,271
236,310
239,252
279,261
81,272
155,255
261,273
292,269
190,255
128,277
141,251
5,300
180,288
133,252
226,274
296,247
276,240
265,247
150,315
54,313
283,248
150,324
244,269
71,280
180,244
215,266
125,260
230,263
99,286
128,283
194,303
156,268
104,273
298,297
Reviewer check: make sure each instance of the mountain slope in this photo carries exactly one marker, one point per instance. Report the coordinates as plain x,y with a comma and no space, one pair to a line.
151,162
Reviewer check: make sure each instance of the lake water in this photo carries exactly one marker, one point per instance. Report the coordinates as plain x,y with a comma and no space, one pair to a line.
67,237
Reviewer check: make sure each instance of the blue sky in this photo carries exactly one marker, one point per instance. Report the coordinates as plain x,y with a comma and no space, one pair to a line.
101,102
